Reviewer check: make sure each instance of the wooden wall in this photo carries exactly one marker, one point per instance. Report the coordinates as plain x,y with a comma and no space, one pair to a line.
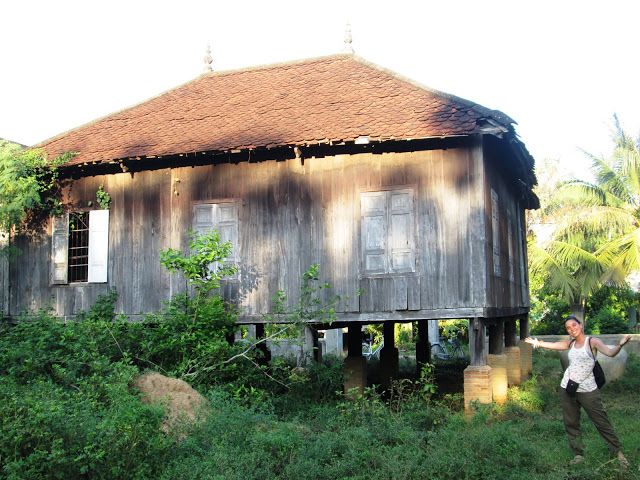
293,214
510,289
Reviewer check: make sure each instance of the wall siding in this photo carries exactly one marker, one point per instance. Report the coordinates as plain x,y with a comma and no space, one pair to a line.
292,214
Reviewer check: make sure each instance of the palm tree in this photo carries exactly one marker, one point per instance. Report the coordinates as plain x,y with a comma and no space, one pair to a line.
597,234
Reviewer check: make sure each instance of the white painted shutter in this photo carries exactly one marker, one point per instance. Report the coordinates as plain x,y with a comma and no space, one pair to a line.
373,207
98,245
495,228
401,235
60,249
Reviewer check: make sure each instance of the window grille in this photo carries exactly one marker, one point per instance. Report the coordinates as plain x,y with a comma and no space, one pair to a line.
78,246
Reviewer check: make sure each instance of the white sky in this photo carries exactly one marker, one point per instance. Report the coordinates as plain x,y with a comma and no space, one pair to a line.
560,68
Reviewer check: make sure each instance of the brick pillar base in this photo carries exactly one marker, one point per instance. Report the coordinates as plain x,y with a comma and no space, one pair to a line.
355,375
514,365
526,359
389,365
477,385
499,382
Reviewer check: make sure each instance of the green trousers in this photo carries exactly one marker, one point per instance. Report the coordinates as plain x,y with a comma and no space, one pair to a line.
592,404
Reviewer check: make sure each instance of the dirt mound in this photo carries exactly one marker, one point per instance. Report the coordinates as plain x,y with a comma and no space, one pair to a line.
182,402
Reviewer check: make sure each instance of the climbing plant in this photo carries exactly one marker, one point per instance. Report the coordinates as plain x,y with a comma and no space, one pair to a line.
29,187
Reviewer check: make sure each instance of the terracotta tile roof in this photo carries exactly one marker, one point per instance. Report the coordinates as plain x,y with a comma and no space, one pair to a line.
336,98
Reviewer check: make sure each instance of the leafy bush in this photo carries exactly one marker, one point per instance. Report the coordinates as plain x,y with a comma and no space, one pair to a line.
66,410
608,309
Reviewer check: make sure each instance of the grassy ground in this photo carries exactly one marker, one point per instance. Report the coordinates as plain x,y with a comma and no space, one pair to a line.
408,438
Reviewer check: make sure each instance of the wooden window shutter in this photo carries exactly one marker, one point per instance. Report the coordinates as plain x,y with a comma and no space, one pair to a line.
204,217
401,231
60,249
222,217
510,245
227,225
373,207
495,229
98,246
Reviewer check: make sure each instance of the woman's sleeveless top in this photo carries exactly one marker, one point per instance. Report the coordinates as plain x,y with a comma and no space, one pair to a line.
580,368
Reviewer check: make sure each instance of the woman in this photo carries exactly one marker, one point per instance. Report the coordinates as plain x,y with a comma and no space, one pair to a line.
580,370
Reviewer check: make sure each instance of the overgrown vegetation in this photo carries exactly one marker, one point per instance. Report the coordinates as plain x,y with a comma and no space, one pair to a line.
67,411
29,187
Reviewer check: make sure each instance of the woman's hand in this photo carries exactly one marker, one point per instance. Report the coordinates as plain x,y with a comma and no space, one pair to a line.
624,340
532,341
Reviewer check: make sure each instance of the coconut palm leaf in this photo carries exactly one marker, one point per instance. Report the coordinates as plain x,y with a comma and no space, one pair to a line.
609,178
622,255
588,223
558,276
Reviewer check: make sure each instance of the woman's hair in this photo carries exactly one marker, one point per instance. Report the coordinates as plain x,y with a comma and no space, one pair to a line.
572,317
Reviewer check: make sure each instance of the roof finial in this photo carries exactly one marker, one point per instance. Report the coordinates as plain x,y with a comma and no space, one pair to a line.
208,60
348,48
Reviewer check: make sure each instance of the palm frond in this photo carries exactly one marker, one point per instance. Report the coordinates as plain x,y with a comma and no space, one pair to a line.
560,278
609,178
579,192
592,223
622,254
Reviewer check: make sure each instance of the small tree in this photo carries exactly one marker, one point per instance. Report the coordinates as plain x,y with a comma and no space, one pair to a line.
29,187
203,267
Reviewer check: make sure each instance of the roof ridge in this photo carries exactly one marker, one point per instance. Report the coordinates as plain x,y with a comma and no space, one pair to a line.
193,80
476,106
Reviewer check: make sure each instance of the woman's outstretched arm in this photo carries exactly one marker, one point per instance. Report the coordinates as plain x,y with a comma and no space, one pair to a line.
560,345
609,351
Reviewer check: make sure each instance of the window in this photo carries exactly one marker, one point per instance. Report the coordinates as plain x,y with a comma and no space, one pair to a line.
495,229
222,217
80,247
388,232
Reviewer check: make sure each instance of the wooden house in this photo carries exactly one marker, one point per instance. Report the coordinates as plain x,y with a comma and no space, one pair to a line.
412,201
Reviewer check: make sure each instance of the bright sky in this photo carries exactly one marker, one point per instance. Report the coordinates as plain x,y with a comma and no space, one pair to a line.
559,68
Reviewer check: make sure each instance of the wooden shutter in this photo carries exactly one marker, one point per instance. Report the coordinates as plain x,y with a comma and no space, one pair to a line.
510,245
98,246
401,232
227,225
204,217
60,249
373,207
495,229
222,217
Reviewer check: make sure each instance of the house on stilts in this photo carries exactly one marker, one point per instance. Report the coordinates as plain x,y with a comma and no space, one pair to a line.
411,200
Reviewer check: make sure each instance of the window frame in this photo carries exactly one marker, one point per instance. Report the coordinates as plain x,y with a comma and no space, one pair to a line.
413,213
97,246
234,259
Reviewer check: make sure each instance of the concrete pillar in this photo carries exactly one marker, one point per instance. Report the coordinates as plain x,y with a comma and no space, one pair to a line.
499,378
389,357
265,358
423,346
514,365
478,384
434,333
333,342
526,350
311,348
355,365
512,351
